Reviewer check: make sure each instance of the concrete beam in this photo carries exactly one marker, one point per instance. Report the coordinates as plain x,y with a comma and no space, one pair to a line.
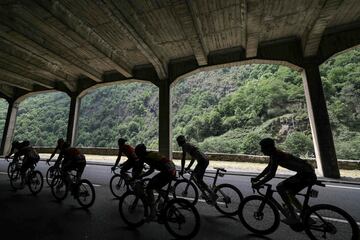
40,33
114,12
187,14
16,75
327,13
286,49
9,128
86,32
6,80
10,48
319,122
7,91
338,39
254,17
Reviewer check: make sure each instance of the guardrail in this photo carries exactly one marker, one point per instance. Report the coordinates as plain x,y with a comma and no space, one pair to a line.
343,164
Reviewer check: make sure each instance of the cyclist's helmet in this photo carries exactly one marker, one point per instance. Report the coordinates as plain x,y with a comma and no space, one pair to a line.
60,141
121,141
181,140
140,150
267,143
26,143
15,144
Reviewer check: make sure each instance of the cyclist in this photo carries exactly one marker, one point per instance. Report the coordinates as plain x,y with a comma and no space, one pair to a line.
14,148
305,176
72,159
156,162
31,157
60,142
131,162
202,163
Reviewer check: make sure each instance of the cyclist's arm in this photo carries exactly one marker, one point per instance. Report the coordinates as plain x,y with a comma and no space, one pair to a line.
53,153
183,159
268,173
191,162
117,159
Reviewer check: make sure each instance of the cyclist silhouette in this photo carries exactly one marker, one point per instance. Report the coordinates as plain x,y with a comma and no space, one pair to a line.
131,162
305,176
156,162
30,156
202,163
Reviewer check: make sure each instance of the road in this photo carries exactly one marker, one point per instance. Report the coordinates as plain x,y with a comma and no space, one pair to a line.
23,216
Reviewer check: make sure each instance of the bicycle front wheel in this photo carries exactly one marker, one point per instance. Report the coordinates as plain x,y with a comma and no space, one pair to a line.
35,182
59,188
16,181
11,168
51,173
117,185
85,194
325,221
181,218
228,199
186,189
259,215
132,209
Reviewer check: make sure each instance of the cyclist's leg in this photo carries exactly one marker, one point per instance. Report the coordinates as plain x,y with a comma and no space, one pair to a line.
198,173
126,167
25,166
285,190
156,183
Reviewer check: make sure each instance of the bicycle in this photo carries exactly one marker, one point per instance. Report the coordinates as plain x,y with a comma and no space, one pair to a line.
260,214
13,164
82,190
52,172
226,197
180,217
33,178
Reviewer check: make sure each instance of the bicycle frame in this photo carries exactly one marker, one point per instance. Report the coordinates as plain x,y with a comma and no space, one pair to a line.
217,174
269,197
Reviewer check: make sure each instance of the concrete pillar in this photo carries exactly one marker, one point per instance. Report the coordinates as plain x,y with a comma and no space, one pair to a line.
165,146
9,128
319,121
72,128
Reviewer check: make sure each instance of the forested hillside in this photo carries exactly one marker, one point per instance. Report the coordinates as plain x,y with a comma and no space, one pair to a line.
227,110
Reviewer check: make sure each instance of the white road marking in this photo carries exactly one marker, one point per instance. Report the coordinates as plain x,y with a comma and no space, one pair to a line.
344,187
4,173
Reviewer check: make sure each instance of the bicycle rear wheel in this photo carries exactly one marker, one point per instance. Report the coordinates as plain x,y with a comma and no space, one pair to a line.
325,221
35,182
228,199
132,209
59,188
186,189
182,220
85,193
259,215
16,181
117,185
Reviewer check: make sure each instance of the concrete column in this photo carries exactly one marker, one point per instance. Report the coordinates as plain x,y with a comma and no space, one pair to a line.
73,120
319,121
165,146
9,128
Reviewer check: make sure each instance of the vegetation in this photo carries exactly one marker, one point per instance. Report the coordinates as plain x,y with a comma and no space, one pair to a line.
227,110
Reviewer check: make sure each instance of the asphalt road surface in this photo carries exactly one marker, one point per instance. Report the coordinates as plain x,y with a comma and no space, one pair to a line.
24,216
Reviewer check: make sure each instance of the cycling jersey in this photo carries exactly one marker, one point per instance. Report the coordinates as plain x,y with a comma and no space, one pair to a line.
194,152
290,162
128,151
159,162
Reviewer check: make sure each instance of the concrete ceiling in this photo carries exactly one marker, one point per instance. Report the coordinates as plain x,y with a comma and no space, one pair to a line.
70,45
